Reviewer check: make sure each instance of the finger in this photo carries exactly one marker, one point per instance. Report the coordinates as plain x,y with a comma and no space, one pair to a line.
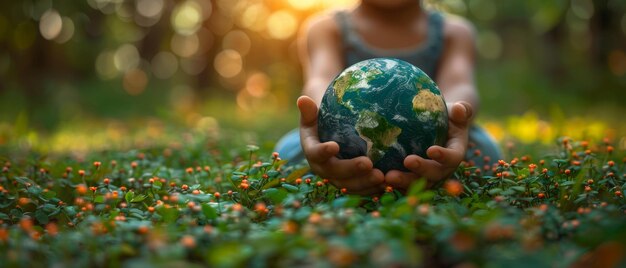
349,169
421,166
317,152
448,157
308,111
400,180
461,112
368,183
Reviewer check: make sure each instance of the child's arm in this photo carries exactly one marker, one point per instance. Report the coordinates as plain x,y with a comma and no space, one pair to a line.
322,60
455,80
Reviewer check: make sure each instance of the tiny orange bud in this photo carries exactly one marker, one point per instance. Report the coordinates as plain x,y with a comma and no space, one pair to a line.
541,195
188,241
453,187
217,195
143,229
81,189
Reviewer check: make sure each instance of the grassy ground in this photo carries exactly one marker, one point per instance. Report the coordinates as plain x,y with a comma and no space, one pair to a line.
215,196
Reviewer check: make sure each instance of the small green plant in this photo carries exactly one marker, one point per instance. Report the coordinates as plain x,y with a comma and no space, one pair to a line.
214,207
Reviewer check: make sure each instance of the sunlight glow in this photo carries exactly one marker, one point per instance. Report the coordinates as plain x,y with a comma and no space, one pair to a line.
228,63
187,17
282,24
50,24
254,17
258,84
302,4
237,40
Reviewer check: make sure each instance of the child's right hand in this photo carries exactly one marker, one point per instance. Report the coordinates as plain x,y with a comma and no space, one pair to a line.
356,175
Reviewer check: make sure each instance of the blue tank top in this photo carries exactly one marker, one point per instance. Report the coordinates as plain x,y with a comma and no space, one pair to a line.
426,56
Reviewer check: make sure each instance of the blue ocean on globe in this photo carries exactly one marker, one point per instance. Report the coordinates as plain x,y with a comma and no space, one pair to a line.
385,109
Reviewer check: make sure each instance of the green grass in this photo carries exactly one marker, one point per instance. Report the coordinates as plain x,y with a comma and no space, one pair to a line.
206,201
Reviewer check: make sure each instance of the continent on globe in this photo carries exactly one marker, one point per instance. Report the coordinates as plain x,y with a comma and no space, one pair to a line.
384,109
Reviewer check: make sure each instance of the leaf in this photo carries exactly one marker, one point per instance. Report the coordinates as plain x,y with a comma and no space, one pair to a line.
4,216
129,196
169,215
298,173
387,199
138,198
209,212
290,187
417,187
157,185
49,194
99,199
495,191
34,190
347,202
275,195
41,216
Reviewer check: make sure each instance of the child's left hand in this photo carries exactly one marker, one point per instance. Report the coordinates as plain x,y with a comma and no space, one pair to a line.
443,161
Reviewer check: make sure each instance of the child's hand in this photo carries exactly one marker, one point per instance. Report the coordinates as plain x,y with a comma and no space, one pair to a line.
443,161
357,175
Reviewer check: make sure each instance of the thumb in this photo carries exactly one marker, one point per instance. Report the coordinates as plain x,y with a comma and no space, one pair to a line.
308,111
461,113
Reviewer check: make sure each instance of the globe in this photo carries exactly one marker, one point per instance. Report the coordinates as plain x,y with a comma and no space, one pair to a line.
385,109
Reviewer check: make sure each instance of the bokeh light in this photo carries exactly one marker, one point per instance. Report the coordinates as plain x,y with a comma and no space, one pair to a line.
482,9
149,8
582,8
187,17
228,63
302,4
164,64
254,17
258,84
282,24
489,45
126,57
67,32
237,40
135,81
50,24
193,65
185,45
105,65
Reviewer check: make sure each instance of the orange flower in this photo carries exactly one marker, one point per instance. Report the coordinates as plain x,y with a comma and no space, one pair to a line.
453,187
188,241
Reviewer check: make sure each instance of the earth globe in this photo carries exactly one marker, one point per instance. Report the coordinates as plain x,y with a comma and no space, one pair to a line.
385,109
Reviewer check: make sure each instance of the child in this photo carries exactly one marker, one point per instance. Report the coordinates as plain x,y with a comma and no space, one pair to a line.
441,47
